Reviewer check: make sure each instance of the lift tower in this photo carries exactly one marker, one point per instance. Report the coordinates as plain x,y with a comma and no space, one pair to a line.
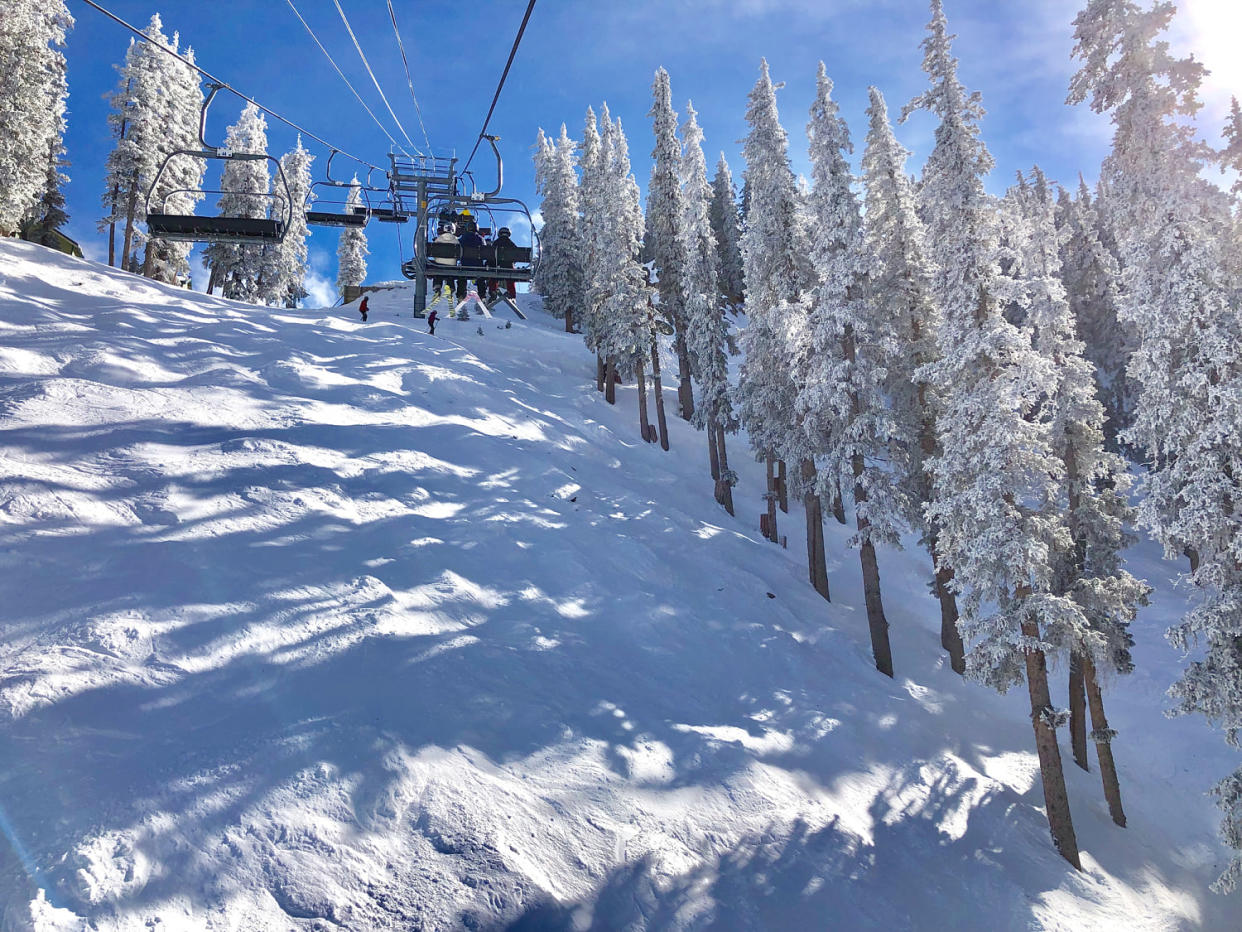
415,181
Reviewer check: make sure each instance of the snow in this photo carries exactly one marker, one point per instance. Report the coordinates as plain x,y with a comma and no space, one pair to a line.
316,624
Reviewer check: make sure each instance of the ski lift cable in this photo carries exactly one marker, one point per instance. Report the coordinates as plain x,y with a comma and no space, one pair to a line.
332,61
224,84
495,97
401,45
374,80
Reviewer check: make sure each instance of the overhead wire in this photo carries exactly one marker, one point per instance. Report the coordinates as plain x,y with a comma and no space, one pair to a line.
495,97
401,45
374,80
224,84
332,61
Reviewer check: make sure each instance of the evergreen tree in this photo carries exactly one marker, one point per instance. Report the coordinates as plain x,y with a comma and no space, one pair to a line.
351,251
775,281
901,286
245,192
558,276
727,229
285,267
1171,228
49,214
664,212
180,186
845,414
1096,482
705,327
591,209
32,104
995,468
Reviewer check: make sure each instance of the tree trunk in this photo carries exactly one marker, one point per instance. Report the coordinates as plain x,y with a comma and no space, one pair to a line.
130,210
1056,798
600,372
782,486
661,422
1078,711
569,320
610,383
770,497
723,485
713,449
1192,554
685,389
838,504
116,191
876,621
816,558
1103,737
644,427
950,637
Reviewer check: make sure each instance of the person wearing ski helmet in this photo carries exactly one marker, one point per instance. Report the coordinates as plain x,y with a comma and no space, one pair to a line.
502,242
448,234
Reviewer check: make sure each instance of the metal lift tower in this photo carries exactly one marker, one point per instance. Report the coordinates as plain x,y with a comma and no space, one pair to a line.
420,179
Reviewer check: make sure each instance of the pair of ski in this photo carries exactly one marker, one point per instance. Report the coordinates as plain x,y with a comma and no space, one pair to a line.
472,297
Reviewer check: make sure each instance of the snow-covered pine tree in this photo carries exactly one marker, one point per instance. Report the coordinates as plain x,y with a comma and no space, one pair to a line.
1096,483
705,327
901,285
851,431
140,124
285,263
1171,227
774,276
1090,274
590,207
32,102
727,228
559,273
1231,160
995,468
351,251
664,212
180,186
245,187
49,213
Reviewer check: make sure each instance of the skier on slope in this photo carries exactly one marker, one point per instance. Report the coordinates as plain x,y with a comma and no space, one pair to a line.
362,309
431,322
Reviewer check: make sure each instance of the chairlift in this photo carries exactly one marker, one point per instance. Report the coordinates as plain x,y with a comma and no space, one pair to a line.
345,217
191,228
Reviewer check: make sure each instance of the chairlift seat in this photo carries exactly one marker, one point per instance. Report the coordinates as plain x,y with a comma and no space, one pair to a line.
194,229
325,218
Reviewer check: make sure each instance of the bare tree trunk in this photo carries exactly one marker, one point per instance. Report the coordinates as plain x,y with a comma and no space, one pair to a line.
950,637
600,372
1056,798
876,622
1192,554
770,497
724,488
1103,737
1078,711
116,190
782,486
644,427
610,383
661,422
685,389
838,504
569,320
130,210
713,449
816,558
213,280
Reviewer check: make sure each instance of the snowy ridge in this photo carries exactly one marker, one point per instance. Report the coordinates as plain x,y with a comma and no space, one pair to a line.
313,624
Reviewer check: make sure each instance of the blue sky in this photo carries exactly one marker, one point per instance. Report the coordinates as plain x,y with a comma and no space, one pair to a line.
580,52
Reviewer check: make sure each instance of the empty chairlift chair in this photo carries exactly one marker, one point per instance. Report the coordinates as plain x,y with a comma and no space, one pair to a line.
346,217
191,228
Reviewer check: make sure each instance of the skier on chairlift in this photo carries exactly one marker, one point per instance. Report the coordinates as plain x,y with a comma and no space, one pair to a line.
504,241
448,234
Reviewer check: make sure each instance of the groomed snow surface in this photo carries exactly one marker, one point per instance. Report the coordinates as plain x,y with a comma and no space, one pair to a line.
315,624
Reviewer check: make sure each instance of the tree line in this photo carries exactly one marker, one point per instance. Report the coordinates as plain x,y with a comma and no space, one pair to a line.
989,373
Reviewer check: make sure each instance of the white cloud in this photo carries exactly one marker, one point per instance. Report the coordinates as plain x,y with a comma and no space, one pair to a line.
320,291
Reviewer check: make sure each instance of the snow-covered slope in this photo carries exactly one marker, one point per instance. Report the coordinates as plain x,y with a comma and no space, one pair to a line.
310,624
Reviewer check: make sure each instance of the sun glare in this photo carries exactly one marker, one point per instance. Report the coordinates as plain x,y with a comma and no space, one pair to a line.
1213,29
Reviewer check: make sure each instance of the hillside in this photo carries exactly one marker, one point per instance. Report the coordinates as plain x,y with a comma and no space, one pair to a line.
311,624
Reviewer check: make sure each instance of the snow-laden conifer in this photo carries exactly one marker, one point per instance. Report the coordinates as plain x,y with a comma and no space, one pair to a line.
32,102
664,212
994,470
284,272
351,250
245,186
705,326
901,286
49,214
775,281
1171,227
727,228
591,194
558,275
1095,483
841,372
